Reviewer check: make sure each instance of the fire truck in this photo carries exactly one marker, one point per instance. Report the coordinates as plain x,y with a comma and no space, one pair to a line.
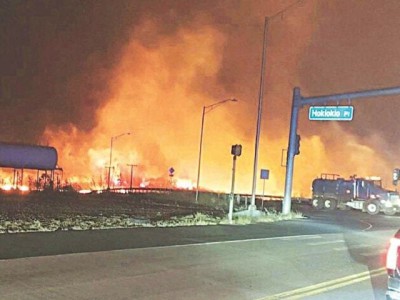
330,191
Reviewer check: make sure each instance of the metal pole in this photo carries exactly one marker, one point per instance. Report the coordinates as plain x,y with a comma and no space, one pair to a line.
296,104
111,146
232,190
263,187
259,116
131,165
200,148
109,167
22,177
351,95
209,107
14,180
299,102
130,185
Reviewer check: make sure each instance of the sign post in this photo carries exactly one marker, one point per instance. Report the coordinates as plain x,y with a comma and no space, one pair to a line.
171,172
264,175
236,151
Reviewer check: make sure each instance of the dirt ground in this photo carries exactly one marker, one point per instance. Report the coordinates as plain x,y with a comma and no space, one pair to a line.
150,206
52,211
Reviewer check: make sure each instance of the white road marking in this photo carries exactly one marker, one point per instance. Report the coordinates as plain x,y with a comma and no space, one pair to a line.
344,248
391,217
350,248
284,238
326,243
373,253
301,237
326,286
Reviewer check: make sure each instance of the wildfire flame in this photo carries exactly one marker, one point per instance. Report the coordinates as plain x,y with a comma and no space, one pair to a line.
160,82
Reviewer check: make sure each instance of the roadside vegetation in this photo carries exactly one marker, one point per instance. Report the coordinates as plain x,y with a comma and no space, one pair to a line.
71,211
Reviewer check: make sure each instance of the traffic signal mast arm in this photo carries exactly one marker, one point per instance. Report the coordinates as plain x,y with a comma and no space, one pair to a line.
348,96
300,101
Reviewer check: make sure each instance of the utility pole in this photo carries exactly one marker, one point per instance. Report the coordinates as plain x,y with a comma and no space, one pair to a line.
280,14
131,165
111,150
252,206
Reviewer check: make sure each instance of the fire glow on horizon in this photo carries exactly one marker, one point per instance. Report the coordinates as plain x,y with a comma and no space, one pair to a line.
154,96
167,135
161,78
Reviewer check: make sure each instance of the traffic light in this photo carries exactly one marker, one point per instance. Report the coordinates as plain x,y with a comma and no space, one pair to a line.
396,176
236,150
297,145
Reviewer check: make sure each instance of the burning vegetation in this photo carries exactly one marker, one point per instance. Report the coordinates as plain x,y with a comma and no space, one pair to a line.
87,72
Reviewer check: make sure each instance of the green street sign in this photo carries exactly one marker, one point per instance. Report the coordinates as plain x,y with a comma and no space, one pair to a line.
330,113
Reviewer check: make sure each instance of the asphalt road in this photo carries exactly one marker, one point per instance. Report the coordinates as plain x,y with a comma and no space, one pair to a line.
328,255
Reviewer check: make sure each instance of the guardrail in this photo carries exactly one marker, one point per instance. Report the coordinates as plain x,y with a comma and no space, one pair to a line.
240,198
135,190
260,199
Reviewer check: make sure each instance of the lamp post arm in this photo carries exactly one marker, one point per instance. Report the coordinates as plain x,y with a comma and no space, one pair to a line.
119,135
205,110
212,106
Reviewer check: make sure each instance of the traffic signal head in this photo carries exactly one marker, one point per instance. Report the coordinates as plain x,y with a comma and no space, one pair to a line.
297,145
396,176
236,150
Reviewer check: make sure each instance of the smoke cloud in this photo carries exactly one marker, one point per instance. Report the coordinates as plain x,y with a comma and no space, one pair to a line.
78,73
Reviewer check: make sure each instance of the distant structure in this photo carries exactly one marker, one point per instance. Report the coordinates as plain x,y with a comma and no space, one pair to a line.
31,157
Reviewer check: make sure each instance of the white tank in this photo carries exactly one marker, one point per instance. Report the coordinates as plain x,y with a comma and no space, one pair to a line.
21,156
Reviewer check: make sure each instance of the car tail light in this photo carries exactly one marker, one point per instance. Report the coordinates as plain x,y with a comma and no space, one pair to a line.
392,258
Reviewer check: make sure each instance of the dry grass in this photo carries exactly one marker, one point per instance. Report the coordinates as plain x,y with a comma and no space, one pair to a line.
59,211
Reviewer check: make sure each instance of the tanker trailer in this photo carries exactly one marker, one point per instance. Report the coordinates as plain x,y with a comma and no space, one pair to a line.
21,156
365,194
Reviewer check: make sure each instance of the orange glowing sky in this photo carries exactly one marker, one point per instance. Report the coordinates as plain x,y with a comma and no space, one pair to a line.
153,72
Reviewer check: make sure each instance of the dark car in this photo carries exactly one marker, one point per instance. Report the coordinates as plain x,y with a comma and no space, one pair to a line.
393,268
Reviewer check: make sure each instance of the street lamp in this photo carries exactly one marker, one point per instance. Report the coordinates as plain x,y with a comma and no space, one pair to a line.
206,109
111,147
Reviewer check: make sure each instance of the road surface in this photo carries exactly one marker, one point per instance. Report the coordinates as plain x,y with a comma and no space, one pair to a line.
329,255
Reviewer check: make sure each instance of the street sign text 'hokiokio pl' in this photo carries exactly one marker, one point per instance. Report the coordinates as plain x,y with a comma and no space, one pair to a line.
330,113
